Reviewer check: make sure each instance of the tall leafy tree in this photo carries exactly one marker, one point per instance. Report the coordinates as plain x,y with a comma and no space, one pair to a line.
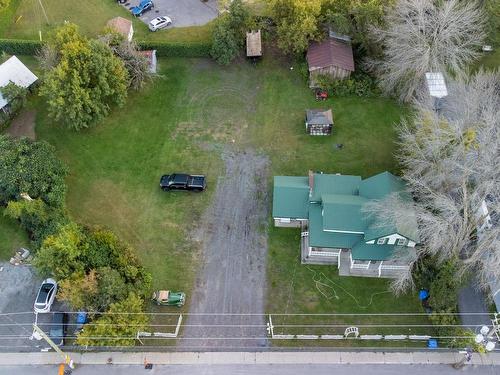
297,23
118,326
31,167
86,82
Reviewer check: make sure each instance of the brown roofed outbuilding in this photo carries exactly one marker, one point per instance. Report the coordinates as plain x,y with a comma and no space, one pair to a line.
330,57
122,26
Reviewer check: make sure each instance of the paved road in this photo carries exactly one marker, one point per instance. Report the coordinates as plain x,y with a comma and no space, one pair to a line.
232,280
472,300
259,370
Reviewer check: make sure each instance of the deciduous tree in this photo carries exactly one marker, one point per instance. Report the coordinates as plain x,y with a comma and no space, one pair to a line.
33,168
297,23
87,81
118,326
426,36
450,161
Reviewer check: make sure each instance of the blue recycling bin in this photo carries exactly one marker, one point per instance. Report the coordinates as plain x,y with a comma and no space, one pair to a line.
432,344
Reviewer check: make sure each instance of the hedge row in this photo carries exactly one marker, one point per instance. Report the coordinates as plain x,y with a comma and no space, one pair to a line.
172,49
19,46
167,49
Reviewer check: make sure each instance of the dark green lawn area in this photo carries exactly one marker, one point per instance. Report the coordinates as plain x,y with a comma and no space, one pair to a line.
23,19
11,237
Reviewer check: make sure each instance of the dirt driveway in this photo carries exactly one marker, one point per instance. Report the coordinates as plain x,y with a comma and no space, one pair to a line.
233,276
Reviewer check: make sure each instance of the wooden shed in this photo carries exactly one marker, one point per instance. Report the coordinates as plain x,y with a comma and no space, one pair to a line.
330,57
254,44
319,121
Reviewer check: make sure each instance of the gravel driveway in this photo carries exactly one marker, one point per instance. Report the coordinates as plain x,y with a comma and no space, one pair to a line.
233,276
183,13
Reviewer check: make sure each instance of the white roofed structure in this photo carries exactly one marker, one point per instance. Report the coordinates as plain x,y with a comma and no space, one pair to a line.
436,85
13,70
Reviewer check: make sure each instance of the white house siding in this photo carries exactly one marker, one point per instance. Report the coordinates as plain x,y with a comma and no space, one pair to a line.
392,239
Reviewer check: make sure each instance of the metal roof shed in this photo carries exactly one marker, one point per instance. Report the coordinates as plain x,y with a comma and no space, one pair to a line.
319,121
254,44
436,85
13,70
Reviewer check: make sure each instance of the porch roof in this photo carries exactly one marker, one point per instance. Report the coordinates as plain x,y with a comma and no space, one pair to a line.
319,238
363,251
290,197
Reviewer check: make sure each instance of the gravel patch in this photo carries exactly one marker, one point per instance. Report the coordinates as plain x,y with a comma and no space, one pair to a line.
234,243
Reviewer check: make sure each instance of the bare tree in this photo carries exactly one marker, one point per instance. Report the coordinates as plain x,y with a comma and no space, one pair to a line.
426,36
451,166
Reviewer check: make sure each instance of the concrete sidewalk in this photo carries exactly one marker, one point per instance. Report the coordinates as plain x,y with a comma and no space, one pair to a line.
246,358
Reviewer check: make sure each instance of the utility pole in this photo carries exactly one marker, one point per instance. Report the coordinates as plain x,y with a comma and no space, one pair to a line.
67,358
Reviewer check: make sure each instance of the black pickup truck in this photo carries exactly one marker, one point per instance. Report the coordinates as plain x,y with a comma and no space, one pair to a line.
180,181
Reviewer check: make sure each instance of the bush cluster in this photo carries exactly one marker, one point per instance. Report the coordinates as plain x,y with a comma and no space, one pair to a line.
359,84
170,49
20,46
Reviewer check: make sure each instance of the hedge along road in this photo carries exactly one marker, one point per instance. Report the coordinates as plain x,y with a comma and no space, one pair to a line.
232,279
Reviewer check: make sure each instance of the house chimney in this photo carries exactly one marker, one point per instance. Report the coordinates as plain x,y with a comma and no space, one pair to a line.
311,182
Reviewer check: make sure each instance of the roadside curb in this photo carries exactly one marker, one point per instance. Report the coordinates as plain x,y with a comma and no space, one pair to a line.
247,358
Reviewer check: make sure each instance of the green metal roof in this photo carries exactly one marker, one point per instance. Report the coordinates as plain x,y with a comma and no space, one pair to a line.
363,251
334,184
291,197
319,238
343,212
378,186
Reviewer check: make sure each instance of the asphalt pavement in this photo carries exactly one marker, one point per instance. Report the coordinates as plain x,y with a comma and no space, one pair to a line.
257,370
182,13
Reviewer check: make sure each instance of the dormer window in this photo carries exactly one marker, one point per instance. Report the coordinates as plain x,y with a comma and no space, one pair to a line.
381,241
401,241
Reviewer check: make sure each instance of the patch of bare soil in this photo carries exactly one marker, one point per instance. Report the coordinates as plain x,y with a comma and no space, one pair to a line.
234,243
23,125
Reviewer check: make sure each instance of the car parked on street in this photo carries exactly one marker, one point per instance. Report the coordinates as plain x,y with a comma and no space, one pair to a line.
46,295
143,6
182,181
58,328
159,23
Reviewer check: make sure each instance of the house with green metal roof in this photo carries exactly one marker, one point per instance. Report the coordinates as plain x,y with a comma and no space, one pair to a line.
335,229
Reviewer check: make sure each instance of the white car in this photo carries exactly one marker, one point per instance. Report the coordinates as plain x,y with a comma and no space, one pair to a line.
159,23
46,295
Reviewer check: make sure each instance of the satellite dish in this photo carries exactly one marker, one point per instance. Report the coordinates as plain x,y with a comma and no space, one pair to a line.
479,338
490,346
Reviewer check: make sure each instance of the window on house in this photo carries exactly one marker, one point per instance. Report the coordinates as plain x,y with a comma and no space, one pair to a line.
381,241
401,241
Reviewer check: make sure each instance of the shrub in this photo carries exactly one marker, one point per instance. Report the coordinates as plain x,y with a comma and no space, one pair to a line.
33,168
170,49
20,46
359,84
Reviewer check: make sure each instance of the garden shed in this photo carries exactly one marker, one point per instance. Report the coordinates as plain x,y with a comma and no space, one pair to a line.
436,85
13,70
331,57
319,121
254,44
122,26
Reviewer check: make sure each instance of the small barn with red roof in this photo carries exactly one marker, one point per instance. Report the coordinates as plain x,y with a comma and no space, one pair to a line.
331,57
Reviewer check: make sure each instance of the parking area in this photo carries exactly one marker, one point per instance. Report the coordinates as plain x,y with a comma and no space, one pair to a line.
18,288
182,13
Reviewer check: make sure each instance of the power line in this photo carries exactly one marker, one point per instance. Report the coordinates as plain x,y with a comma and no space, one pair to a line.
252,314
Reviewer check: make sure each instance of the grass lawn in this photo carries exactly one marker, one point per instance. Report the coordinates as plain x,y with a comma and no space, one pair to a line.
12,237
23,19
176,124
